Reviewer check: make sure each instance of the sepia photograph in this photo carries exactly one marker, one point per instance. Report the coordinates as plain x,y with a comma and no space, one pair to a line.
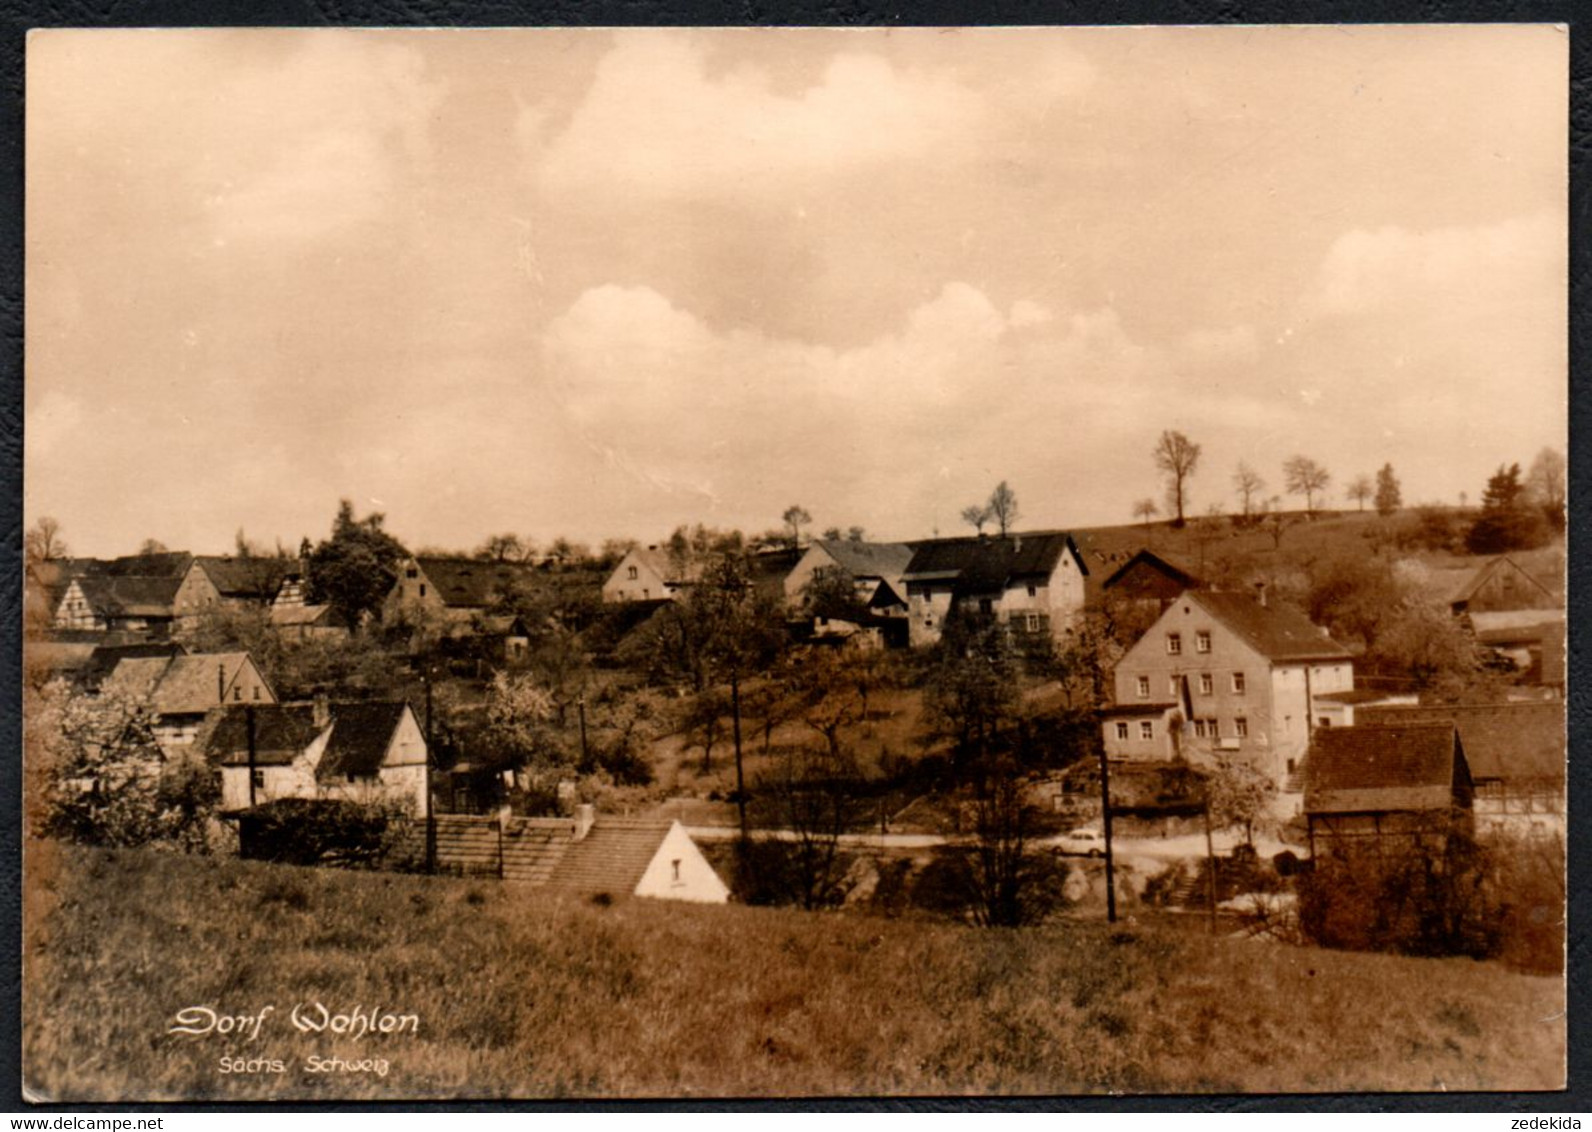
689,563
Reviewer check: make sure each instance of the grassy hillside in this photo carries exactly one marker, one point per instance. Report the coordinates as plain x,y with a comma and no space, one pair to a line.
521,995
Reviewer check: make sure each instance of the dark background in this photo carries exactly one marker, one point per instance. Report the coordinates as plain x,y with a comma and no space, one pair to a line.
16,18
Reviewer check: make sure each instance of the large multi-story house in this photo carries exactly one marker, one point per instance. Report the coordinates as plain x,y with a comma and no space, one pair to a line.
1225,675
153,594
1033,583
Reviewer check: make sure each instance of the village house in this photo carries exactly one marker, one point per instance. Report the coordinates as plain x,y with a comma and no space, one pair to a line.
1497,585
1147,580
875,568
184,689
1386,789
1033,583
1224,672
1516,753
459,590
365,752
648,573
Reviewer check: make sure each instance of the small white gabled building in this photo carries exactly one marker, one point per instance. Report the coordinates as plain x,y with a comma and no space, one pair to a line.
647,573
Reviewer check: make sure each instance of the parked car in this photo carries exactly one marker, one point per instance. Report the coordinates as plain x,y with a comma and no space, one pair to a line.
1083,841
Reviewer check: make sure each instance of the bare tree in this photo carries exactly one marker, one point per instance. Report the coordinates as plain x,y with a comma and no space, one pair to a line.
1249,484
43,541
1003,507
1303,476
855,534
1546,483
796,517
153,546
1176,456
1360,490
506,547
976,515
1145,510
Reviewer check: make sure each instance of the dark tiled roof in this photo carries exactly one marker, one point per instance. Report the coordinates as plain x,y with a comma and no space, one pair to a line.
361,734
868,559
131,595
611,857
1274,631
170,564
181,684
990,564
256,579
281,732
473,583
1384,769
1153,561
1516,626
1511,741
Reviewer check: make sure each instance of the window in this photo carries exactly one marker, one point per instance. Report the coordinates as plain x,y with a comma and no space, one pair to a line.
1238,683
1241,727
1031,622
422,589
675,865
350,776
1202,641
1033,590
1146,729
645,594
1207,685
1324,721
1144,687
1122,730
237,692
258,778
412,572
1200,730
632,573
257,691
1174,644
1291,766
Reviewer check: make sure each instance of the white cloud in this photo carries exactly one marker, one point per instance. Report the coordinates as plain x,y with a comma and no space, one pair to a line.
655,122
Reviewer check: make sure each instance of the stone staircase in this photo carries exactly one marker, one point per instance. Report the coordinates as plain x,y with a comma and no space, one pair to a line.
470,845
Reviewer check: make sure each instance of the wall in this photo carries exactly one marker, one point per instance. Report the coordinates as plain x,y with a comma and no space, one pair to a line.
647,585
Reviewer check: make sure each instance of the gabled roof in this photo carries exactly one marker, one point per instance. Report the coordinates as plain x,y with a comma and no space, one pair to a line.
1456,585
1522,741
168,564
105,657
281,734
287,616
661,563
611,857
255,579
131,595
474,583
361,734
1385,769
177,685
989,564
1155,562
1276,632
886,560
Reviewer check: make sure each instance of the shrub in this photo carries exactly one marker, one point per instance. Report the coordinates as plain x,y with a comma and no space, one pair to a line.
312,831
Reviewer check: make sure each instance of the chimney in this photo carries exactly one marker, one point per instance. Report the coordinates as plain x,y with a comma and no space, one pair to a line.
585,818
320,711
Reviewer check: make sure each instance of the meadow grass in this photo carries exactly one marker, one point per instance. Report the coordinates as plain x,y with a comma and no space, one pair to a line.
520,994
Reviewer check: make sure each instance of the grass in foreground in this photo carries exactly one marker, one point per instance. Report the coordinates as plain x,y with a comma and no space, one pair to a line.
523,996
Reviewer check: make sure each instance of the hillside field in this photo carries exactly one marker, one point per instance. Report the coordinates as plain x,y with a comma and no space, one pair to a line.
520,995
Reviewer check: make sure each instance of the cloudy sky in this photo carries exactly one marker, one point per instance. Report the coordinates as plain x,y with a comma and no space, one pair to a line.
600,283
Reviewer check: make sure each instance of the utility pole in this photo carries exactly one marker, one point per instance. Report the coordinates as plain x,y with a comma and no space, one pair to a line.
735,722
1105,822
248,728
1210,861
580,704
431,818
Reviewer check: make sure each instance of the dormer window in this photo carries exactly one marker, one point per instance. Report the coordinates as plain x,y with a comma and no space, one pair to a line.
1202,641
1174,644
